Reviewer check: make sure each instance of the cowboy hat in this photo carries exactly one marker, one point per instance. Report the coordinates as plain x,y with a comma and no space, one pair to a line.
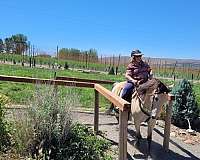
136,53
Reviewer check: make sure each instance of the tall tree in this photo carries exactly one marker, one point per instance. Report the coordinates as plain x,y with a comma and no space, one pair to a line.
93,55
1,46
8,45
20,43
76,54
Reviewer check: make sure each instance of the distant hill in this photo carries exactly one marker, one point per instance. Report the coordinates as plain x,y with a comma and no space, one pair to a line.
124,60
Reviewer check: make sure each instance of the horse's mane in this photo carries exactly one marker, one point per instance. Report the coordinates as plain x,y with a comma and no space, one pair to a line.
151,85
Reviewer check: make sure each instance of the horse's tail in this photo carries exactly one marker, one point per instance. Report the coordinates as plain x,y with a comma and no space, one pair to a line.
113,86
116,89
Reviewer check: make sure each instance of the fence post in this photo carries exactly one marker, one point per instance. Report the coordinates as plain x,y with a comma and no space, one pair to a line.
123,123
96,112
167,124
55,91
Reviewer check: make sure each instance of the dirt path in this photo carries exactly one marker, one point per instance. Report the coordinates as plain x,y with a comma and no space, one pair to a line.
110,130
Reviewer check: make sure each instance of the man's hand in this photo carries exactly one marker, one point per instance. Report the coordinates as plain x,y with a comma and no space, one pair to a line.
139,82
134,82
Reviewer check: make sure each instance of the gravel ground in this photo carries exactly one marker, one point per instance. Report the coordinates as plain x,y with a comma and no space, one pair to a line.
180,148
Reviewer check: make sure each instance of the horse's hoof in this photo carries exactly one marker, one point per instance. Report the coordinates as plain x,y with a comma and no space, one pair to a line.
117,119
149,157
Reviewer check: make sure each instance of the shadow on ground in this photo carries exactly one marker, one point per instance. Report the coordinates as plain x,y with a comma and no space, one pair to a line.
157,151
110,130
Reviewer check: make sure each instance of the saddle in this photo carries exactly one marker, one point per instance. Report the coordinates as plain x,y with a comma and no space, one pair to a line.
140,90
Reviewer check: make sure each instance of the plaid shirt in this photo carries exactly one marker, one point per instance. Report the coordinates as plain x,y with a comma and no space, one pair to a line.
138,71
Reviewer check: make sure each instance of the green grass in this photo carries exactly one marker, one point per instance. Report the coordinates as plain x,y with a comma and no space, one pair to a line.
196,89
20,93
52,60
184,72
15,70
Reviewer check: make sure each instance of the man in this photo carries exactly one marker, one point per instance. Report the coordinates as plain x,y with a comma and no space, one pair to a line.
137,72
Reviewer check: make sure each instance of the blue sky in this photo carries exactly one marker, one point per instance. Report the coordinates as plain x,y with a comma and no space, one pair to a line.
159,28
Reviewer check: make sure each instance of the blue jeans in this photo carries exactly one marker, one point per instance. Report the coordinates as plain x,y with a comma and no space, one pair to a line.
127,91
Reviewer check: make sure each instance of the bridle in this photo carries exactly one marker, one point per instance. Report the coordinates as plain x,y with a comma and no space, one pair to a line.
151,114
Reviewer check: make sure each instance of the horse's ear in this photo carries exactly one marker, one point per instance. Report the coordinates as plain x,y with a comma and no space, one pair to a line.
163,88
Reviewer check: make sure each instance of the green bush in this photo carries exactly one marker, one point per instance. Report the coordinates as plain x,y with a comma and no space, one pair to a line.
4,99
5,141
82,144
111,71
46,130
185,106
66,65
14,62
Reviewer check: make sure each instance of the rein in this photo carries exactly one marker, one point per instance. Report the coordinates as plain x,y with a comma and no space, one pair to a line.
150,114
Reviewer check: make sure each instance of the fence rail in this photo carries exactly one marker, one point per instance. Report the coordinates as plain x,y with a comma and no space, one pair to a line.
46,81
84,80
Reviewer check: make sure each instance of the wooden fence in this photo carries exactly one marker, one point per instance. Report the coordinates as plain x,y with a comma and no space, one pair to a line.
116,100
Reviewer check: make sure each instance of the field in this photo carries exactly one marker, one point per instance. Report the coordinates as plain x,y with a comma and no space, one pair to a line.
161,68
20,93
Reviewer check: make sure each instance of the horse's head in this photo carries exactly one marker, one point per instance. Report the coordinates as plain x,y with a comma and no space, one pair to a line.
154,94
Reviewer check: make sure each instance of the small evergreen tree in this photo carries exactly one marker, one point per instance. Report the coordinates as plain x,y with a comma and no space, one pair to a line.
111,71
66,65
14,62
185,106
116,70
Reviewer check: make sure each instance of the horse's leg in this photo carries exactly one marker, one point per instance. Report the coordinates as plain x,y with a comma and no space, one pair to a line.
137,128
151,125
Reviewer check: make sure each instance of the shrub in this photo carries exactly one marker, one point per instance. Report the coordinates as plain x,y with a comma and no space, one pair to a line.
81,143
46,121
48,132
111,71
66,65
4,99
5,141
14,62
185,106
